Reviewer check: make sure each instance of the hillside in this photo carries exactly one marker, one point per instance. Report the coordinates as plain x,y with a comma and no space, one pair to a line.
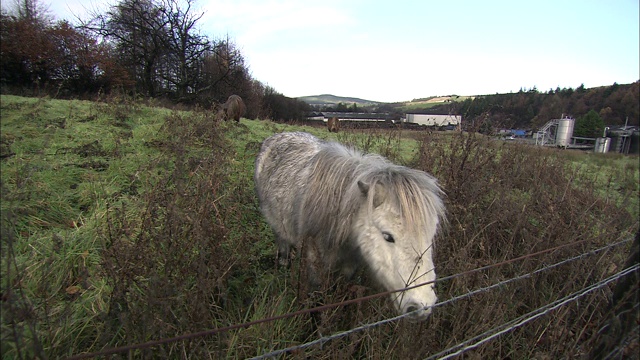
328,100
426,103
615,104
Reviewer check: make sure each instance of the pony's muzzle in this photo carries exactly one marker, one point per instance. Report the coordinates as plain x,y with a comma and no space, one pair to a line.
417,312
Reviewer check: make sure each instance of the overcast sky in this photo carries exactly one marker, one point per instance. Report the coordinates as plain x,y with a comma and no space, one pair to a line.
399,50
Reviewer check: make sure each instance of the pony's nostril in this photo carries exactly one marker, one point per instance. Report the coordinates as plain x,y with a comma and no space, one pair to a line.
412,308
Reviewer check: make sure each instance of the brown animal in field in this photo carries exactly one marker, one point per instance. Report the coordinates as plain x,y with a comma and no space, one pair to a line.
333,124
234,108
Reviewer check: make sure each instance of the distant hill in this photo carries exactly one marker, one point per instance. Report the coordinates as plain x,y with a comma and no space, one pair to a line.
532,109
425,103
616,104
328,99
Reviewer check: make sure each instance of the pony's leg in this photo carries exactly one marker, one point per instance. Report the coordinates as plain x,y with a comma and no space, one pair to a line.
348,263
284,250
348,269
318,267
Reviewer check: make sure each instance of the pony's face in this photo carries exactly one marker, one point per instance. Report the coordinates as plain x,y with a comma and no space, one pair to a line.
398,255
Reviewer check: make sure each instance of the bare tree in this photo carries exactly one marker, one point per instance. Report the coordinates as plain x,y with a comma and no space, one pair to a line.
225,72
25,45
187,49
138,30
33,10
158,41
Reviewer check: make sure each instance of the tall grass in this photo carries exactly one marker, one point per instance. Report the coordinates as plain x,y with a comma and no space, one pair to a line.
507,201
123,224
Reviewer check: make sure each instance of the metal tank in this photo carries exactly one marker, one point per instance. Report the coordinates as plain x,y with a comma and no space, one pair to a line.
602,145
634,147
565,131
620,140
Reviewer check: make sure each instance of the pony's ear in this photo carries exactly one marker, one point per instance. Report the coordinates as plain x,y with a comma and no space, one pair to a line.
379,195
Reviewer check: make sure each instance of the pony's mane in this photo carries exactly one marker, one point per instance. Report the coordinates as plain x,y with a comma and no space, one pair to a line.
333,196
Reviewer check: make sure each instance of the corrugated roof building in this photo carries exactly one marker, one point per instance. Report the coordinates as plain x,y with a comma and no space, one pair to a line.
433,120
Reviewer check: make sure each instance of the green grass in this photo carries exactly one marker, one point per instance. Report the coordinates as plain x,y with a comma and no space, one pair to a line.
123,223
422,104
66,160
617,176
78,180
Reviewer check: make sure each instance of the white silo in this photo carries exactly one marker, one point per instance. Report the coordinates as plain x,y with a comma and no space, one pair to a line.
602,145
565,131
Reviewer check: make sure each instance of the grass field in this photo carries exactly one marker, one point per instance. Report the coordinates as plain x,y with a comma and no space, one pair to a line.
427,103
124,223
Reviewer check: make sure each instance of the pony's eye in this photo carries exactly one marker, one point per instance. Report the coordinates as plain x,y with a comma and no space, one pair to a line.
388,237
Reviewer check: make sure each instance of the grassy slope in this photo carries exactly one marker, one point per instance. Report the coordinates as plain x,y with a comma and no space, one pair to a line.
430,102
123,223
70,167
71,159
332,99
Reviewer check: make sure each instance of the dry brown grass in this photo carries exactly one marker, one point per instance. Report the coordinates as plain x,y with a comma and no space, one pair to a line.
506,201
175,244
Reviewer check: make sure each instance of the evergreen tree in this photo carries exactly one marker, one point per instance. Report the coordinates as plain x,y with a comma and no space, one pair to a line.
342,107
590,125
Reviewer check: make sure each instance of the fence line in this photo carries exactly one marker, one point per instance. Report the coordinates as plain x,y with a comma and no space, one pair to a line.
324,339
352,301
532,315
633,335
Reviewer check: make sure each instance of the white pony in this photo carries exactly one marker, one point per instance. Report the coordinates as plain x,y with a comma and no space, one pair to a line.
343,208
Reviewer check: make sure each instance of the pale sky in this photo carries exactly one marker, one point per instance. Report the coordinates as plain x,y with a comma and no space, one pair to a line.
399,50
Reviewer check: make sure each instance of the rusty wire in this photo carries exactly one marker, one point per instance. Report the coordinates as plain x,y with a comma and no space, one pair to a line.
209,332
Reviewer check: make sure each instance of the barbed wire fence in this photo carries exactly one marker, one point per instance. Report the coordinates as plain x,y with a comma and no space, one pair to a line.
445,354
466,345
513,324
467,295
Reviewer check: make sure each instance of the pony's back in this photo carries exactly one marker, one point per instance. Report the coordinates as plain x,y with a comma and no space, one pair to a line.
281,173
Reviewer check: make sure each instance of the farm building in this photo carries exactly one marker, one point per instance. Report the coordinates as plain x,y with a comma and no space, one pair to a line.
316,116
356,117
433,120
352,120
624,140
386,119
